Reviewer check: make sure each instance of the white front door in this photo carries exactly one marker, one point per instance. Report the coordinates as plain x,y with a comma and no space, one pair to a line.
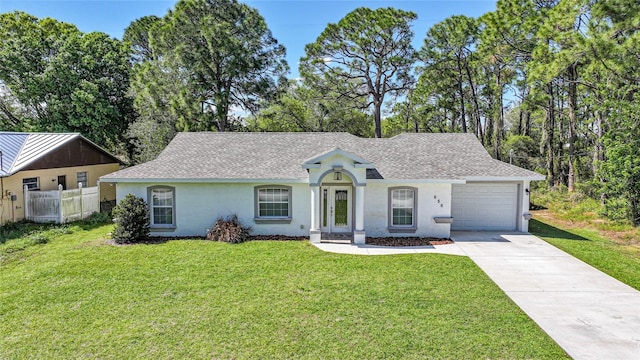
336,209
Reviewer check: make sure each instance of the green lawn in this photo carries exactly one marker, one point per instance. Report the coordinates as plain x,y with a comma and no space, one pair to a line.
589,245
77,297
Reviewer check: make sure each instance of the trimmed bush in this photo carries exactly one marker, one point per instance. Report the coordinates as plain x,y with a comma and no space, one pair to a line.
131,216
228,230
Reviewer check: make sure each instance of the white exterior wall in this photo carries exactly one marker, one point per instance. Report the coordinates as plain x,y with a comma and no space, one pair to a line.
198,205
523,223
377,206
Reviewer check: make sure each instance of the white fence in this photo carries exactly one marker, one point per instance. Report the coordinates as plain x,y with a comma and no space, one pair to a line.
61,206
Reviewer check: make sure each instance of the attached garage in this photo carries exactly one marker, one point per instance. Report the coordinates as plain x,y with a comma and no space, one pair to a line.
484,206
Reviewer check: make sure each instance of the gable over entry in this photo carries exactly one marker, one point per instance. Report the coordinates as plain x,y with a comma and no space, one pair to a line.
321,167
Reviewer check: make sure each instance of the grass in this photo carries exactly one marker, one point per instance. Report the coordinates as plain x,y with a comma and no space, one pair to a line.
77,297
571,223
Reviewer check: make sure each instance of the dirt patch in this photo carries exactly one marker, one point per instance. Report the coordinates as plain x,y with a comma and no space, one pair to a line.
407,241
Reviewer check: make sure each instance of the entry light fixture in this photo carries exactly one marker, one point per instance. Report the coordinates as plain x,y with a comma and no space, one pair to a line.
337,175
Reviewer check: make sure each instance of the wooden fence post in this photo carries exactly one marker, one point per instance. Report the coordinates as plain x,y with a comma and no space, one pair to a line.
60,204
26,202
81,201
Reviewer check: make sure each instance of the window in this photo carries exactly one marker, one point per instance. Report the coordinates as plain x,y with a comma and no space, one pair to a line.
162,201
81,178
402,208
32,183
273,203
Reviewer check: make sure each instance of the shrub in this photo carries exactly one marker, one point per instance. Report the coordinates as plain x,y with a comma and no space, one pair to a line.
228,230
131,216
38,237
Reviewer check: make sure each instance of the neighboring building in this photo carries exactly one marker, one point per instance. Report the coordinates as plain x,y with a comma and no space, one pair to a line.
317,183
41,161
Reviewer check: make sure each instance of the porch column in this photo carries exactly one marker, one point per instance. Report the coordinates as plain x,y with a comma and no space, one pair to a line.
314,232
358,233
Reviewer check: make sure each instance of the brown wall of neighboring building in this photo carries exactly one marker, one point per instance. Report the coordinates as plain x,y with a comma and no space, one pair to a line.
75,153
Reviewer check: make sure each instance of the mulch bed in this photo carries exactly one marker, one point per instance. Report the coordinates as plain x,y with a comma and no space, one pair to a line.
278,238
407,241
380,241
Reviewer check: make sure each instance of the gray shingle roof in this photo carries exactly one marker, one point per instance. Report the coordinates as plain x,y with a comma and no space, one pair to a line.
273,156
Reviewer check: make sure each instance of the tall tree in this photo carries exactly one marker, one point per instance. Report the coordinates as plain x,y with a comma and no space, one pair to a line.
64,80
449,70
228,56
137,35
367,54
302,108
614,35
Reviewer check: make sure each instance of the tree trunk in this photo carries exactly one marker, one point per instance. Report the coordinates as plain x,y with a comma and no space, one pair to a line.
520,117
598,154
476,108
499,123
572,102
488,130
463,117
549,129
377,117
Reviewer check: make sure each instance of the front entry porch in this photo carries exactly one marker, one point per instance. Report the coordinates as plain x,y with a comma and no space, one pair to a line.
337,180
336,238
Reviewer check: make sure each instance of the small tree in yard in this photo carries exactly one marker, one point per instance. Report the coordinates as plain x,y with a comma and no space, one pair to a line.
131,216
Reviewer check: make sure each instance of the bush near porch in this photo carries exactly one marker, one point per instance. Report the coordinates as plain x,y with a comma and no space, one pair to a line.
78,297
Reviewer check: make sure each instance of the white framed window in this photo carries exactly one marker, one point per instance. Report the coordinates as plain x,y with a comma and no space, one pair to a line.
273,202
402,208
162,205
81,178
32,183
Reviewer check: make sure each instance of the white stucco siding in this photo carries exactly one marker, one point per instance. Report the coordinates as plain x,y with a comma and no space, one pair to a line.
434,200
198,205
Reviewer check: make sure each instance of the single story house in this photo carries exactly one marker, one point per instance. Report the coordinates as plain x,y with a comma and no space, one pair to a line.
42,161
314,184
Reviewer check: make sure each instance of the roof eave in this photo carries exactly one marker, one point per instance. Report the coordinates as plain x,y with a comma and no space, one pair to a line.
200,180
505,178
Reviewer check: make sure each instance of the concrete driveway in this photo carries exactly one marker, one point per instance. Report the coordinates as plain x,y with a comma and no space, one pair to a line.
587,312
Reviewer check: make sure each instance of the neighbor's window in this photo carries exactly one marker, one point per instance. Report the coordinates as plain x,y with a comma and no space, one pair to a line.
402,203
32,183
81,178
273,202
162,202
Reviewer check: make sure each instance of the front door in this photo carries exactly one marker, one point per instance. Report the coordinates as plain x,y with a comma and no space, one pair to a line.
336,209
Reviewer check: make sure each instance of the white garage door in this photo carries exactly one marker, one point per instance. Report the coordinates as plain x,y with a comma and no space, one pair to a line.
486,206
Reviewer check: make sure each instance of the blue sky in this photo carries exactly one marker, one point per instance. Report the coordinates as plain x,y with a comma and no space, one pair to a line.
294,23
